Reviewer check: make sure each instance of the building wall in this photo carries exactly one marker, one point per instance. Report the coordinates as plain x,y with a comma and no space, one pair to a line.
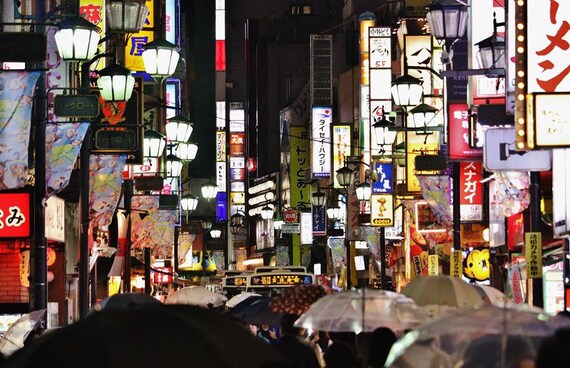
11,289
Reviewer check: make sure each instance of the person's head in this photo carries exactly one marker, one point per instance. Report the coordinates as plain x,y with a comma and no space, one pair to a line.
381,342
287,327
340,355
554,350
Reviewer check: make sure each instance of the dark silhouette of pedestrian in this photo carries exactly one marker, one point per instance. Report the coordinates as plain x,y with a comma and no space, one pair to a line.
293,345
553,351
379,346
341,355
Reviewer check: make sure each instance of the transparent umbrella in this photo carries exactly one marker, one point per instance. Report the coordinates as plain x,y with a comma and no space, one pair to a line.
363,310
484,336
16,335
235,300
198,296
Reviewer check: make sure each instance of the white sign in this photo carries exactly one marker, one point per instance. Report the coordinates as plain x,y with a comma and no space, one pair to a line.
290,228
499,153
306,222
55,219
551,120
560,193
321,142
221,176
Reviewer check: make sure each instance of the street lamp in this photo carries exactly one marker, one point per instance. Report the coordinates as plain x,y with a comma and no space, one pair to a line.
236,223
116,83
179,128
173,165
215,232
267,212
126,16
406,91
421,116
160,58
447,19
209,190
77,39
318,199
345,177
189,203
363,191
186,151
334,212
384,133
154,143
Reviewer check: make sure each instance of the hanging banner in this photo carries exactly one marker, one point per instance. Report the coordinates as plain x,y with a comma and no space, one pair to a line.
321,142
63,143
436,191
341,148
533,255
319,221
300,191
433,265
105,183
511,192
16,100
155,230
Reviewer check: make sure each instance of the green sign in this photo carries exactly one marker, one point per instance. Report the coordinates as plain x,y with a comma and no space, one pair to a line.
77,106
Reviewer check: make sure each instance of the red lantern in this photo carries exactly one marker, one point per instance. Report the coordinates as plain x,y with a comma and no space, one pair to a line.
251,164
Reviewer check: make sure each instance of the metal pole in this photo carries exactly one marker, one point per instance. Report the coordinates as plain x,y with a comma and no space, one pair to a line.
175,251
128,185
84,206
39,291
147,287
382,257
348,248
456,207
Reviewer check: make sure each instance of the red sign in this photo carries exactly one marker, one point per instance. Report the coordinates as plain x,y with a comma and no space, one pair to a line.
14,215
459,133
164,276
237,143
290,216
471,191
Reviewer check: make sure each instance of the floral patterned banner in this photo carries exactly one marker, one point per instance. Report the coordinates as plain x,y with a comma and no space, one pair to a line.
16,100
63,143
105,181
436,192
510,194
156,230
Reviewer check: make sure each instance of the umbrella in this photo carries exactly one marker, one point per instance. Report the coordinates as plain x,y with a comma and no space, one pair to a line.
150,336
256,310
441,293
482,336
297,299
491,295
364,310
196,295
236,299
19,331
125,301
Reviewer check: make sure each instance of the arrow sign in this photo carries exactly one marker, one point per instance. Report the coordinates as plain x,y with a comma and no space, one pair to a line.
499,153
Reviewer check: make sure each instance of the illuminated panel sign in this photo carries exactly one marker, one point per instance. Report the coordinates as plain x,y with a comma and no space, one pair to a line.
235,281
220,35
135,43
220,146
471,191
170,21
94,11
542,55
459,133
382,210
14,215
321,142
341,148
380,58
273,279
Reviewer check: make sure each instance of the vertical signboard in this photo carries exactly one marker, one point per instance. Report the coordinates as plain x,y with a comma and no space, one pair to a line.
300,191
533,255
433,264
456,264
471,191
321,142
560,194
460,132
321,70
380,79
341,148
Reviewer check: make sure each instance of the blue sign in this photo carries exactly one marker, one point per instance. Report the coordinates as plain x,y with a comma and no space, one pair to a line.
319,221
221,207
384,183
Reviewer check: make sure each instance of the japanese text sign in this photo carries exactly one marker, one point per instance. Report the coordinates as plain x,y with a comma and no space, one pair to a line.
14,215
456,265
471,191
533,255
321,142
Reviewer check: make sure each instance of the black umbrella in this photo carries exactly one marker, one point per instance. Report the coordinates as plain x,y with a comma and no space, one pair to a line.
256,310
126,301
150,336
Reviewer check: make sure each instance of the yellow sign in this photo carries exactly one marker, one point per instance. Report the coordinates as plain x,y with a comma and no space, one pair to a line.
456,266
220,146
382,210
280,280
237,198
414,150
134,49
433,265
533,255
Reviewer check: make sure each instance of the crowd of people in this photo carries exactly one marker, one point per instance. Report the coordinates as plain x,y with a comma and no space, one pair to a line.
322,349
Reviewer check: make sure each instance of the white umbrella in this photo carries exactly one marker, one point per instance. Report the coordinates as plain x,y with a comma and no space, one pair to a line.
442,293
363,310
491,295
16,335
485,336
236,299
198,296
